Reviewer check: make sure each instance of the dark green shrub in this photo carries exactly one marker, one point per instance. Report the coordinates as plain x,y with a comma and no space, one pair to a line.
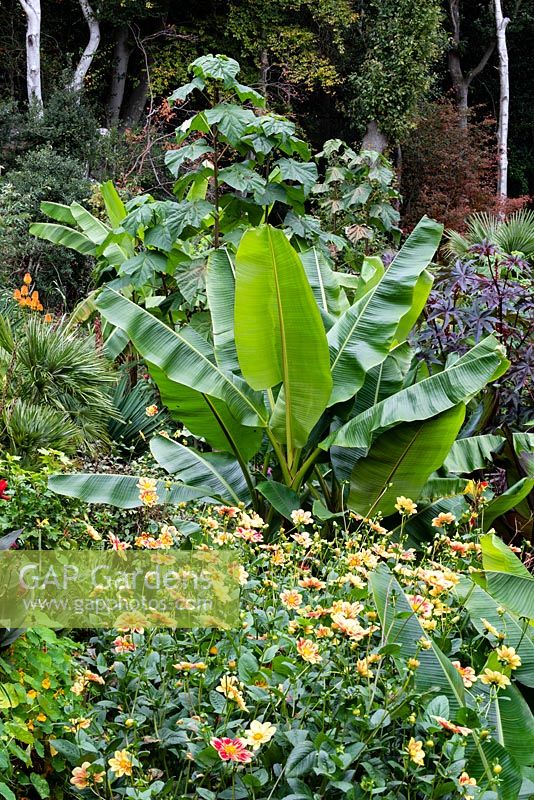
63,276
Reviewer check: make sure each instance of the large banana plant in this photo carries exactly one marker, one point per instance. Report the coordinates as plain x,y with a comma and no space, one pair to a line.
77,229
294,379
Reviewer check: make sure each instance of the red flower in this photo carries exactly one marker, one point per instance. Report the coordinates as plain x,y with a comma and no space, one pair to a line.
232,750
3,487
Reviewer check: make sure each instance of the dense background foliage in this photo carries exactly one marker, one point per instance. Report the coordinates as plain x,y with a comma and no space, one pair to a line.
339,69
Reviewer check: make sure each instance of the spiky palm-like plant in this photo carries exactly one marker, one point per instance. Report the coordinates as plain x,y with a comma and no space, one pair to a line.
55,388
133,428
514,234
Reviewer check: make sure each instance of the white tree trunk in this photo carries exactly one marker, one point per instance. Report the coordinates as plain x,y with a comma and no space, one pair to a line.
374,139
32,9
92,46
504,102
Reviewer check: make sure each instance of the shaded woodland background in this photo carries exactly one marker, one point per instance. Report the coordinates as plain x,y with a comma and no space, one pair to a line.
417,80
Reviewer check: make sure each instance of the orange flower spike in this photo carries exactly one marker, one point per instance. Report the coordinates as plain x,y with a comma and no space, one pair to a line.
27,279
24,291
35,296
16,295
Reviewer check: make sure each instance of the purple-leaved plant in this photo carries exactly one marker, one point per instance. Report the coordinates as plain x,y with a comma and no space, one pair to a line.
491,292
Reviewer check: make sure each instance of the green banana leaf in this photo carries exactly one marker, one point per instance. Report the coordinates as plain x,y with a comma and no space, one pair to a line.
61,234
82,311
218,471
115,208
89,224
207,417
371,273
328,294
509,714
519,633
465,378
512,720
115,343
281,497
507,578
220,289
401,627
362,338
349,281
437,487
121,491
184,356
58,212
385,379
472,453
280,338
492,753
508,500
400,464
420,296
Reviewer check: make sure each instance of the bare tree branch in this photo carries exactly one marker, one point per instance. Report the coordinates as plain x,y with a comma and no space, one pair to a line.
482,63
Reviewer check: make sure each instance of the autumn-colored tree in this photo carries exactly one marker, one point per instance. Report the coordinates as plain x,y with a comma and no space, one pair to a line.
448,171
